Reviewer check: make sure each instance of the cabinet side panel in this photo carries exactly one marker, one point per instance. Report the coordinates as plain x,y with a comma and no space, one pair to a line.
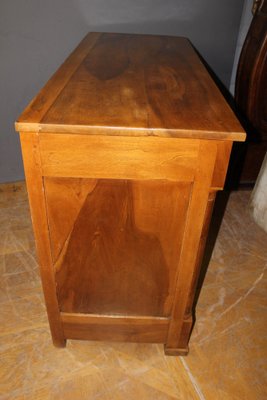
118,254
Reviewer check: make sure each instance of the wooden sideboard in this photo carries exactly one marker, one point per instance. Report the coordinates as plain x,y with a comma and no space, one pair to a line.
124,150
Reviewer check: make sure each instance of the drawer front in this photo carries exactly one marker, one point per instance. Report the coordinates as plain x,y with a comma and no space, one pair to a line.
116,157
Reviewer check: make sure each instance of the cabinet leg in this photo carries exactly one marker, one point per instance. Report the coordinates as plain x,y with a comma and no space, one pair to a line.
178,344
60,343
175,351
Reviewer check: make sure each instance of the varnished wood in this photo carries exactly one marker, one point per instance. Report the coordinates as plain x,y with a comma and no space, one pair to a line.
176,351
118,328
125,264
183,341
132,142
64,200
191,240
120,158
200,252
32,167
155,84
222,159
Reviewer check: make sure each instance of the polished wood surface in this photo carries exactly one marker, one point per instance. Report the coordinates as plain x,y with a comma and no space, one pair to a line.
148,85
191,242
118,157
131,142
119,328
250,94
33,174
121,262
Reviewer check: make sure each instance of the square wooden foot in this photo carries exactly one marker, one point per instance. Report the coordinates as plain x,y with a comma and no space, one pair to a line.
176,351
59,343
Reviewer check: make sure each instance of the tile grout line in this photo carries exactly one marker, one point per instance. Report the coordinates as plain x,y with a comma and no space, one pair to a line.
193,380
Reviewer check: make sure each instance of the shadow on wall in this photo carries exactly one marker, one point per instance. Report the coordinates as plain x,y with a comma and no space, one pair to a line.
36,36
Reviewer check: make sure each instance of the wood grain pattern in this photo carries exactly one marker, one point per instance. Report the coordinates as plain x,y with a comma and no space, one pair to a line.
221,164
118,157
200,252
155,84
64,200
191,242
185,333
32,167
104,327
121,262
131,138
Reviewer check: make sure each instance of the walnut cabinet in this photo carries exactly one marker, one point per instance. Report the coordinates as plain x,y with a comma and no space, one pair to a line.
124,150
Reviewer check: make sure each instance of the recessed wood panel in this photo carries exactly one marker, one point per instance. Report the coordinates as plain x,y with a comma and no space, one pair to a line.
119,254
66,197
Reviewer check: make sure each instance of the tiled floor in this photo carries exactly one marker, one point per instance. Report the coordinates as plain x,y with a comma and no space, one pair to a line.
228,348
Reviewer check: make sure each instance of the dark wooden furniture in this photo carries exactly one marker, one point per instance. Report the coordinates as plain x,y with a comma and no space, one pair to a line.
124,150
251,93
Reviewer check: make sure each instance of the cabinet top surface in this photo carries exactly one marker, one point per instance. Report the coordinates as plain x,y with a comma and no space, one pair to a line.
134,85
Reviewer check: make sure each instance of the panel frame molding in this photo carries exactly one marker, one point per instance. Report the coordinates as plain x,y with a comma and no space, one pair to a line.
37,202
211,155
